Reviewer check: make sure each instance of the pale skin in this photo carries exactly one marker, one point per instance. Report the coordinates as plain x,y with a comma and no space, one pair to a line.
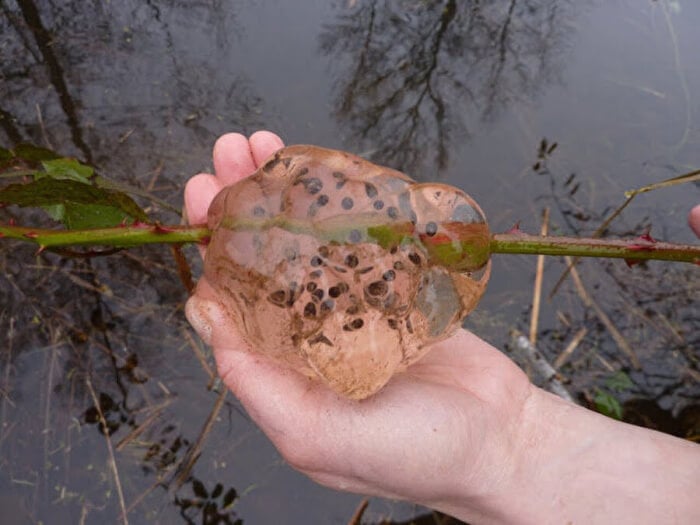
462,431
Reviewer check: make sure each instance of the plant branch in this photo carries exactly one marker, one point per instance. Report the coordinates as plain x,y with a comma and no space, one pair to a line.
120,236
638,249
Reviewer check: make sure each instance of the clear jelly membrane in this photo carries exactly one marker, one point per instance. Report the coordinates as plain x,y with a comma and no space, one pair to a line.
343,269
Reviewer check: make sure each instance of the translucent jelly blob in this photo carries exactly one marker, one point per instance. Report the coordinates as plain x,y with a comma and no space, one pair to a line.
342,269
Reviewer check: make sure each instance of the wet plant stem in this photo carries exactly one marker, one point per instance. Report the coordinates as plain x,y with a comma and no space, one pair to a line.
118,237
638,249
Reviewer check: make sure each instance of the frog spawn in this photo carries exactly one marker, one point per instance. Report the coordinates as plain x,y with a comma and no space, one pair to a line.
342,269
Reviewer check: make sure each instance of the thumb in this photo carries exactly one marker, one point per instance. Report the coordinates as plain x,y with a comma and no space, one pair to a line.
269,391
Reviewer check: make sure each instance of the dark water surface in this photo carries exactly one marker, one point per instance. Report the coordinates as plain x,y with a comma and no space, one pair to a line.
462,92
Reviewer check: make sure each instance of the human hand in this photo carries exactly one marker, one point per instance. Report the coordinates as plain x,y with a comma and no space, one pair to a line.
443,431
462,430
694,220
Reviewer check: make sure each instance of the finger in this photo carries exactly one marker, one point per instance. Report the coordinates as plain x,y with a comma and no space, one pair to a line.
263,144
207,314
694,220
199,192
232,158
273,394
314,429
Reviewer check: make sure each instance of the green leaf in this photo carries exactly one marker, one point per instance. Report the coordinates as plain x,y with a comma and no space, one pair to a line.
619,382
55,211
127,204
607,405
24,156
7,160
84,206
5,155
80,216
103,182
34,153
69,169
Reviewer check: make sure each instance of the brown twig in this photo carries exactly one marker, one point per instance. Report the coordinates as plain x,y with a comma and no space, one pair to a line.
566,353
47,431
356,518
110,450
591,303
199,354
136,432
192,455
156,174
183,268
4,428
537,293
143,495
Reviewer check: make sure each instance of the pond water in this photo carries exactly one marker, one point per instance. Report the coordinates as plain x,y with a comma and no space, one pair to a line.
459,92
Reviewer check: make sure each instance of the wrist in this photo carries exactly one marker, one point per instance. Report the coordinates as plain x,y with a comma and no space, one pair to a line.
574,465
487,490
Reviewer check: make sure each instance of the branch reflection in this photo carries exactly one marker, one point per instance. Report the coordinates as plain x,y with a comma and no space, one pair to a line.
414,77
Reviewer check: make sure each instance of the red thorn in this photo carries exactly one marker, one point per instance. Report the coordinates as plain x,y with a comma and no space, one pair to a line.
647,237
159,228
205,241
645,243
641,247
11,222
1,235
31,235
515,229
632,262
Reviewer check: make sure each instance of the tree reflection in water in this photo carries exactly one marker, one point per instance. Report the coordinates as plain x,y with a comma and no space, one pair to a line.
416,76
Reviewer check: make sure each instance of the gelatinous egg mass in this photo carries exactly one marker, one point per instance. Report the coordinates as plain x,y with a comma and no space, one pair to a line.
342,269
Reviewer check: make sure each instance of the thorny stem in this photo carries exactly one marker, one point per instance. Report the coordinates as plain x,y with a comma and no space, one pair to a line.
120,236
639,249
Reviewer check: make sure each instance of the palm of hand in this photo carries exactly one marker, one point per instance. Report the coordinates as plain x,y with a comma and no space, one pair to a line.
449,414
